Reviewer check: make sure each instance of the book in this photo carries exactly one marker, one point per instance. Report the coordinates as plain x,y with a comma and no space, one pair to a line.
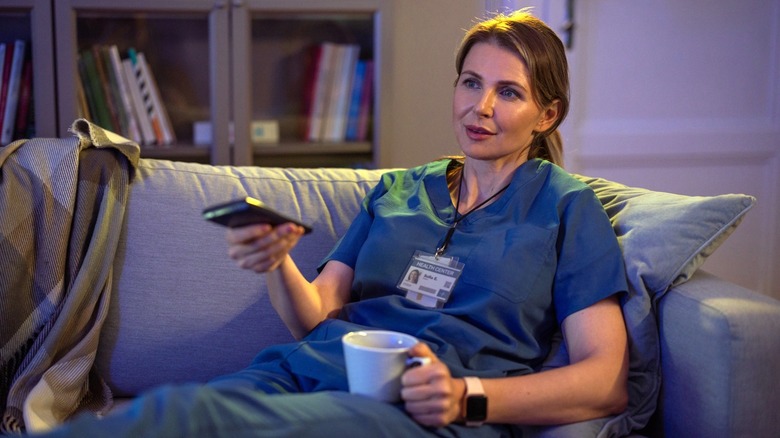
153,103
364,114
353,115
25,96
81,96
6,53
340,90
94,91
89,101
119,79
30,129
121,95
98,54
321,84
139,108
14,80
311,59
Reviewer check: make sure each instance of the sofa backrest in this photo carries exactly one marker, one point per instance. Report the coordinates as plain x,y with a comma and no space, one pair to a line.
181,310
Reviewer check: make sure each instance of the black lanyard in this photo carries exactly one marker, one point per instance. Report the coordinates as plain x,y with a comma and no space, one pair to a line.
459,217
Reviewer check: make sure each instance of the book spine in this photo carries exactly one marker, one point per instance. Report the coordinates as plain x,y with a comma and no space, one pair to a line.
331,109
112,123
6,53
118,73
89,100
9,117
138,104
146,96
30,130
321,89
364,119
81,94
342,87
112,91
160,114
354,101
25,96
312,61
95,92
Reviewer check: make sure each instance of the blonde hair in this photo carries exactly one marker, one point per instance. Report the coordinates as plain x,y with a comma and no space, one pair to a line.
544,56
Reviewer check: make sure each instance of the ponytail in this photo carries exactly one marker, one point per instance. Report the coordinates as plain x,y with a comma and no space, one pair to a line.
548,147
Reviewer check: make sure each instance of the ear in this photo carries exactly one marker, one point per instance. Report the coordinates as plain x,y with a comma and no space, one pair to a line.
549,116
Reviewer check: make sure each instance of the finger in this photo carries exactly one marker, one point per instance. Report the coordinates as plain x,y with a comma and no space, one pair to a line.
425,375
269,252
238,251
425,393
246,234
432,413
421,349
255,238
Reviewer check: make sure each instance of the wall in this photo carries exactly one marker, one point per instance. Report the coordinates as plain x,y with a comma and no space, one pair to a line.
675,96
419,91
685,97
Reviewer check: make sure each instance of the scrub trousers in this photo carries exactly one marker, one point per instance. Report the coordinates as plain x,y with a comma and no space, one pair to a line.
294,390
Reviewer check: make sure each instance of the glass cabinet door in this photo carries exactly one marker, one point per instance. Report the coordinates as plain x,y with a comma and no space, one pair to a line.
177,106
304,79
34,112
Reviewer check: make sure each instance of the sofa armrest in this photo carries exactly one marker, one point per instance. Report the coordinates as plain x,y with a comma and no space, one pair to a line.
720,353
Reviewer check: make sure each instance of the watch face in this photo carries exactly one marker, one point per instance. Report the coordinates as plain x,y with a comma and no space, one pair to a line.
476,408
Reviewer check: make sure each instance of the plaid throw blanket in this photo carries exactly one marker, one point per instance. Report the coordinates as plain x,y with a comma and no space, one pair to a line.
62,205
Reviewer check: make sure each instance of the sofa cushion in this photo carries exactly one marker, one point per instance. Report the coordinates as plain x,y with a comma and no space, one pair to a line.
666,237
181,309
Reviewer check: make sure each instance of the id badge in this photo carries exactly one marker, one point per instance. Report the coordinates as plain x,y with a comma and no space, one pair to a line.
429,280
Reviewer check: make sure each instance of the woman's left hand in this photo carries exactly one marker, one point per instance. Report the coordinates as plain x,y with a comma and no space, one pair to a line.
432,397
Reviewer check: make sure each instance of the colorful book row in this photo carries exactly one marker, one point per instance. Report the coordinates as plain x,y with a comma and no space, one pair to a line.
121,94
339,87
16,115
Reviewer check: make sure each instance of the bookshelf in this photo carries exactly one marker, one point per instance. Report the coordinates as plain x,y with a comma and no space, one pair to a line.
30,21
277,38
184,43
227,64
230,62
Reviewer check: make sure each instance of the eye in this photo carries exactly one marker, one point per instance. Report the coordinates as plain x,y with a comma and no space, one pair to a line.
510,93
470,83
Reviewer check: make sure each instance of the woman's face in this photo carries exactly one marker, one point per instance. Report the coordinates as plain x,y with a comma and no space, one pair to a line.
493,112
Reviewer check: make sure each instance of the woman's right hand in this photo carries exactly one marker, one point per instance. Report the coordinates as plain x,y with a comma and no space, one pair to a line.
262,248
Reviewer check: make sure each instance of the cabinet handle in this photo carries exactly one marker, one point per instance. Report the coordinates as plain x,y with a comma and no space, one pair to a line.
219,4
568,26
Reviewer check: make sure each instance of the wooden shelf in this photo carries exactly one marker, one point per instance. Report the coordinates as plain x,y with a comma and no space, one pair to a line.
299,148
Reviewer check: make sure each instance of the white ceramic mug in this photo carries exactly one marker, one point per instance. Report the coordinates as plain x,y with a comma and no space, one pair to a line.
375,361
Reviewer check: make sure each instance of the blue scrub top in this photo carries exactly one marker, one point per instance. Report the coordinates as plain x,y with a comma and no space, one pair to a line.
542,251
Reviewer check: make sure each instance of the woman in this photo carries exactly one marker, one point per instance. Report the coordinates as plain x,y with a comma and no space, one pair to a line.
510,96
532,251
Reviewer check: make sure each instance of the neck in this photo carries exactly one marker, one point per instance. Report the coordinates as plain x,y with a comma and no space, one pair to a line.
478,182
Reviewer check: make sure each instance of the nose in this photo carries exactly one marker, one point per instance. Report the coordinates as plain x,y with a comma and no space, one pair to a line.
483,107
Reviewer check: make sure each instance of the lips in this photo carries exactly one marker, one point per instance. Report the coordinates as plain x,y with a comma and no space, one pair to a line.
478,133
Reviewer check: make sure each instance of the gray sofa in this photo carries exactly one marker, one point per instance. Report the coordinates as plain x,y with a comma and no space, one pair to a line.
181,311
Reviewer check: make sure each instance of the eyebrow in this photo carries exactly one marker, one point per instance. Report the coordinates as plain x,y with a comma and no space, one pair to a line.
503,82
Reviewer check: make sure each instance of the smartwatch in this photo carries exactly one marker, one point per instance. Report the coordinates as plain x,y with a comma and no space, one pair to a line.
474,406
